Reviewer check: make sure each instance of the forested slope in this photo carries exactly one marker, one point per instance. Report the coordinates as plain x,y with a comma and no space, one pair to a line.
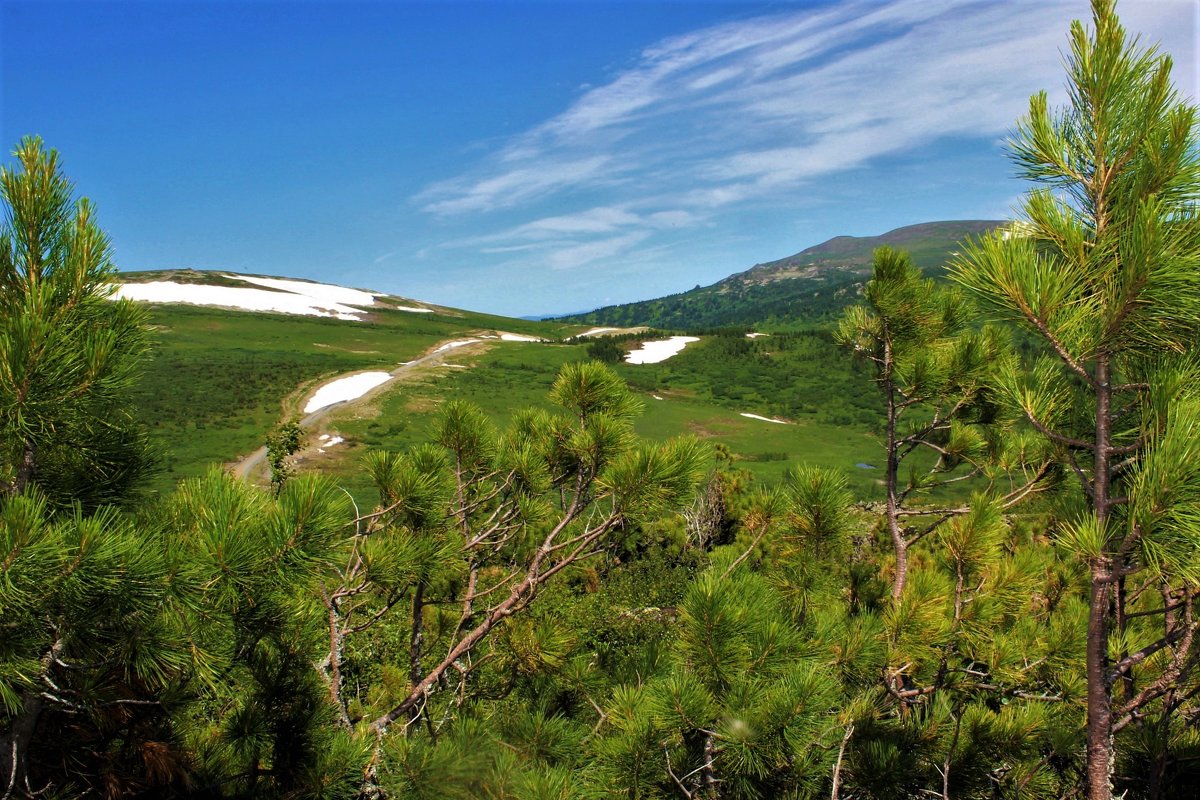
813,285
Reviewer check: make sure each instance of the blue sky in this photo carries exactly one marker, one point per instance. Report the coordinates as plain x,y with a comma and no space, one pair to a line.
524,158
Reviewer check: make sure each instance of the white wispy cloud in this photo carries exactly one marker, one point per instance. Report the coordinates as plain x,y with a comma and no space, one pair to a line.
594,220
598,220
514,186
510,248
746,111
823,90
567,241
706,94
581,254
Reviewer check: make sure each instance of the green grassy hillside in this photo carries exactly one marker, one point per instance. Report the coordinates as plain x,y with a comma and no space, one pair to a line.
218,380
812,286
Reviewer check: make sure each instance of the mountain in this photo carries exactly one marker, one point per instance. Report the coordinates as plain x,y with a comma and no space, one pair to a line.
809,286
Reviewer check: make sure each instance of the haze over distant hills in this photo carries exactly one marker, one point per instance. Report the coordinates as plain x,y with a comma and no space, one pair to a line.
810,285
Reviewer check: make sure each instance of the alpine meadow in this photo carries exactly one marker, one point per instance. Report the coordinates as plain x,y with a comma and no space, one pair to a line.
910,515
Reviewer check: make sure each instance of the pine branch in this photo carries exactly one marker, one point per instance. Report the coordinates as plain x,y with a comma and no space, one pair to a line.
1078,444
1042,328
1134,659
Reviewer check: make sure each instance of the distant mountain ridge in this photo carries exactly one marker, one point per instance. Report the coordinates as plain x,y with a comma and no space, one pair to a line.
809,286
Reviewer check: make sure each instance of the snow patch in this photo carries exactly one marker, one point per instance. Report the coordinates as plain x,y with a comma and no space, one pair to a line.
414,309
766,419
516,337
654,352
343,389
756,335
595,331
324,292
294,297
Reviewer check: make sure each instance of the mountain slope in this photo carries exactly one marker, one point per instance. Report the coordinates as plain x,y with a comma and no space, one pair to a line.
811,285
234,354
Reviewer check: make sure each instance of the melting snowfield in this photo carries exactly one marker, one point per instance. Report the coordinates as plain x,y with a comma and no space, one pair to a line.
765,419
516,337
344,389
654,352
290,297
596,331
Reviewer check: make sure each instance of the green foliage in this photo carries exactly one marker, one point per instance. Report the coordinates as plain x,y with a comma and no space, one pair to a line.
819,517
282,443
738,707
68,354
173,648
525,614
810,287
1103,270
605,350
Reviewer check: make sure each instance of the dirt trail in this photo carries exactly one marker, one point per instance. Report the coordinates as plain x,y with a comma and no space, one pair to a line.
248,466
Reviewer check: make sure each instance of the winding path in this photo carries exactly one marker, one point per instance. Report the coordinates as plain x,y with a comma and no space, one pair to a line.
246,467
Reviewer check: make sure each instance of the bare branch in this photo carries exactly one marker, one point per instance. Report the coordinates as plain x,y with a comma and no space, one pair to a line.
747,552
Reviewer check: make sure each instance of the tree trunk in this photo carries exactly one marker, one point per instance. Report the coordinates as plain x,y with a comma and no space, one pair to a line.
1099,694
416,643
899,543
27,467
14,759
708,774
1099,699
837,767
334,674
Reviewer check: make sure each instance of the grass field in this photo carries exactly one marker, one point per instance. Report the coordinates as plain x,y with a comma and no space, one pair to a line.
217,381
508,376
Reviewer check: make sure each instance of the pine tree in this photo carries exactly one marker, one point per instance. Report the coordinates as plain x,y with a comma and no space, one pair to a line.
934,375
85,634
742,709
1103,269
470,530
143,650
89,651
247,568
67,352
282,444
